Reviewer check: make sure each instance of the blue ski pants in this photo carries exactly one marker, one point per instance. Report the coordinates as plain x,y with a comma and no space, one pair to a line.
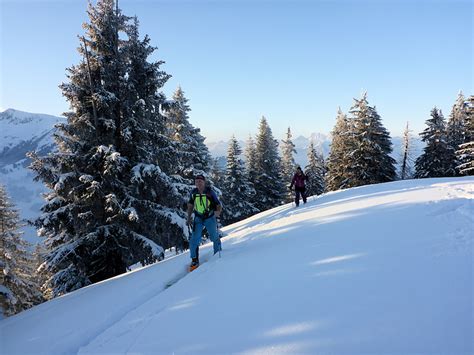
211,226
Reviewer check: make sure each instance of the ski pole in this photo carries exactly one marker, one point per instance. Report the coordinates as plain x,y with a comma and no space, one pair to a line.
218,220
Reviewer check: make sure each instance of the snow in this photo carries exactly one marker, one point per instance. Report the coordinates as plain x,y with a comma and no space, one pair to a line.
21,132
376,269
17,126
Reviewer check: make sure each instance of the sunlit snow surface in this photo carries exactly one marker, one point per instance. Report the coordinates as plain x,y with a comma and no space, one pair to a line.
377,269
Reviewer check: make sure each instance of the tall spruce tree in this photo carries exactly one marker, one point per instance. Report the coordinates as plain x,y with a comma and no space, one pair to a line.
406,163
315,171
465,153
111,203
269,185
216,175
18,287
342,145
371,162
193,155
288,164
435,161
456,129
154,193
238,192
250,156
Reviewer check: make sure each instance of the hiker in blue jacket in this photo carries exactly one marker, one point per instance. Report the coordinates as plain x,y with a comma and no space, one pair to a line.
207,208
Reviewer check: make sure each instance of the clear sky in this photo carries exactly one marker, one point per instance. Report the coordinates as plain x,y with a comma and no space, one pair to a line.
295,62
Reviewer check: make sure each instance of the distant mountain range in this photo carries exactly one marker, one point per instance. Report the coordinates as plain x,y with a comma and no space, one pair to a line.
21,132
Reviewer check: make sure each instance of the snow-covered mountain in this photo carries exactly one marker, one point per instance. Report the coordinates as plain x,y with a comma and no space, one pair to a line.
321,142
21,132
377,269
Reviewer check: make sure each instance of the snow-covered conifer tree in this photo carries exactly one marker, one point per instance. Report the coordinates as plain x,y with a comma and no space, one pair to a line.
456,129
190,155
315,171
18,287
269,186
465,153
288,164
406,163
216,175
435,161
250,154
250,157
371,162
342,146
40,278
111,203
154,194
238,192
193,155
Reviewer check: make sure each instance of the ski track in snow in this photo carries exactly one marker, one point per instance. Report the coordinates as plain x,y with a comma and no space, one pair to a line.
146,298
140,322
457,213
117,318
289,210
339,253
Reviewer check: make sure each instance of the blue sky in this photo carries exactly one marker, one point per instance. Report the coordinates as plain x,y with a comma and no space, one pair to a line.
295,62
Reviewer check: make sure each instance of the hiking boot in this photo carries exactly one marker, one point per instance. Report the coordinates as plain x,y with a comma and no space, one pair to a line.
194,264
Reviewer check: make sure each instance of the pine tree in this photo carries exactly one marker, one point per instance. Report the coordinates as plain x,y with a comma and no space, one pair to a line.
40,278
18,287
153,193
269,186
342,146
251,159
437,154
371,160
238,192
406,165
288,164
465,153
315,171
456,129
111,203
250,155
193,155
216,175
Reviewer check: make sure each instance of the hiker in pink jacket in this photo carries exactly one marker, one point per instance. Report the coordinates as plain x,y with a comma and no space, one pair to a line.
298,182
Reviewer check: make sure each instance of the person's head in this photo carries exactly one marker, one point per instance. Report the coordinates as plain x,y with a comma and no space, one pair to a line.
298,170
200,181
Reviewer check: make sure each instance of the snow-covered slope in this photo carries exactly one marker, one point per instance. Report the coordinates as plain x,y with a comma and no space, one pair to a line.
21,132
377,269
